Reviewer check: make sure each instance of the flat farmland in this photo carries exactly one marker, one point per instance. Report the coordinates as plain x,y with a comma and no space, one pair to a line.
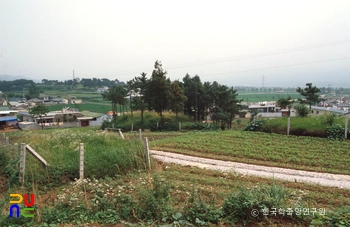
264,96
304,153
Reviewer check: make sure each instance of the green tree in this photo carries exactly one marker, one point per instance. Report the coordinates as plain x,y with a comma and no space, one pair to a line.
140,85
286,103
310,94
158,90
39,111
176,97
33,91
231,106
207,99
117,96
193,90
225,104
301,109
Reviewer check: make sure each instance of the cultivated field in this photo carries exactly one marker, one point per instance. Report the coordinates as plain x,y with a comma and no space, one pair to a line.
305,153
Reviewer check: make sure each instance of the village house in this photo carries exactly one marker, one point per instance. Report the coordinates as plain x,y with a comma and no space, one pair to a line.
102,89
92,118
52,118
8,118
318,110
44,97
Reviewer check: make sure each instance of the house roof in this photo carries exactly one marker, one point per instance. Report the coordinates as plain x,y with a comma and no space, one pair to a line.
85,118
260,106
9,119
4,108
332,110
57,99
42,95
35,100
86,113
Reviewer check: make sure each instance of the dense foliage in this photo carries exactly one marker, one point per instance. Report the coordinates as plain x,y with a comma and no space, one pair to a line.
310,93
191,96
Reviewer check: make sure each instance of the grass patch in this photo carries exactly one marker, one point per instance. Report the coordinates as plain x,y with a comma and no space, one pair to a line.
105,155
301,126
93,107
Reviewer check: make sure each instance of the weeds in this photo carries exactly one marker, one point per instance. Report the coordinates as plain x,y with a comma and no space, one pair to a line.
105,155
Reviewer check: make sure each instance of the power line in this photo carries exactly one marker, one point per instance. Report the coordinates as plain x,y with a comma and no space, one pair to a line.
236,58
276,67
262,54
241,57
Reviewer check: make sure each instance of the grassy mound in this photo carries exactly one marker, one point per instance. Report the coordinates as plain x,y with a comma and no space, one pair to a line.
105,155
301,126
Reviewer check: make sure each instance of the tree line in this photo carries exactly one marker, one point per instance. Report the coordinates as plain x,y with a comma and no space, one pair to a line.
191,96
85,82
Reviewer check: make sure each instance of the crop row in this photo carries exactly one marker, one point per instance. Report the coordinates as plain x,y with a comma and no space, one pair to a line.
308,153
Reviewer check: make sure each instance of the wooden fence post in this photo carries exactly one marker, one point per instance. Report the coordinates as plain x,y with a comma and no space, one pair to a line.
22,164
16,151
140,132
7,143
3,138
288,126
132,127
148,160
346,128
81,161
121,134
179,126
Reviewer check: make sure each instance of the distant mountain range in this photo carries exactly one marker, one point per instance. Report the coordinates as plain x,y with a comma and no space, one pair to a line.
10,78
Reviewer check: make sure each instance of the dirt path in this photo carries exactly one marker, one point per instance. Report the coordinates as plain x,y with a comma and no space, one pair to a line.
324,179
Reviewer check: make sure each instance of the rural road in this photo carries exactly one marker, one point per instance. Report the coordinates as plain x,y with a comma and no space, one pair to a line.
324,179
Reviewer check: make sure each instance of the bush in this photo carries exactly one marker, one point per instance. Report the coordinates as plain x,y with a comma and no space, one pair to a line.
335,132
201,213
302,110
338,218
328,119
154,203
239,206
164,126
253,125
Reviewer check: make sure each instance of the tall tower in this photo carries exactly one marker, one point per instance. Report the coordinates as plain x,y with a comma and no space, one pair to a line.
73,80
263,81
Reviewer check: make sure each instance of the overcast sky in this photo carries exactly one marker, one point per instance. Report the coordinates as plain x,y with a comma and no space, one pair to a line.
288,43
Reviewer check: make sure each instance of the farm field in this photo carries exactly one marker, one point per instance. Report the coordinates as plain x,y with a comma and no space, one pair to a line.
118,189
265,96
93,107
304,153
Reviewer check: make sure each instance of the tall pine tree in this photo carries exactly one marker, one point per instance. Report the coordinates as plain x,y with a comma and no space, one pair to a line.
158,88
